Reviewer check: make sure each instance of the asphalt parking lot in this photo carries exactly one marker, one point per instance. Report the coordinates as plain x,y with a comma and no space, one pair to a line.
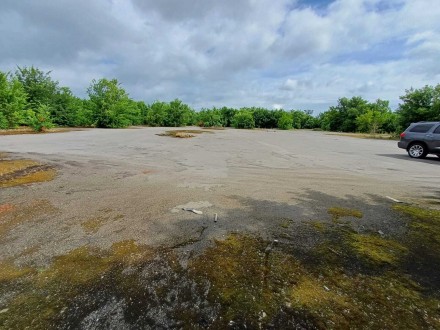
136,183
292,229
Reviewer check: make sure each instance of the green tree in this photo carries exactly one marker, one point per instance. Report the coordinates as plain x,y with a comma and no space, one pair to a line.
264,118
286,121
38,85
12,102
419,105
299,118
309,121
111,106
374,119
243,119
178,114
40,119
143,111
156,114
342,117
330,120
227,116
68,110
209,118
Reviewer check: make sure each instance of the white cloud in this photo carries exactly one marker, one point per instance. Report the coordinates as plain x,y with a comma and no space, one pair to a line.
234,53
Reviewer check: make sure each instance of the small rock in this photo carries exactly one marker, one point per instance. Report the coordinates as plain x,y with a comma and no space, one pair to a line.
4,310
381,232
326,288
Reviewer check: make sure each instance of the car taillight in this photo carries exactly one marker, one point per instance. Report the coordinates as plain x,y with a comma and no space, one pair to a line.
402,134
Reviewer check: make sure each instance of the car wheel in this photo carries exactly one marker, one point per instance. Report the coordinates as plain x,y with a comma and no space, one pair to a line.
417,150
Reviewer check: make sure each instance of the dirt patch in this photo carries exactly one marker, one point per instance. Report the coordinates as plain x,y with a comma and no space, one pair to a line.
378,136
183,134
19,214
28,130
215,128
92,225
6,208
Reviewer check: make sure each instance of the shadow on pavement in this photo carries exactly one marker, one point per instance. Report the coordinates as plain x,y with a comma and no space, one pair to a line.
430,159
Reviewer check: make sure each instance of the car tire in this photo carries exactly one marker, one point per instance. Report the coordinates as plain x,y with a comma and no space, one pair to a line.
417,150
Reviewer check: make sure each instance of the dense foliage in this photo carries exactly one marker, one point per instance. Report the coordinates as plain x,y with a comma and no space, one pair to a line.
31,97
420,105
359,115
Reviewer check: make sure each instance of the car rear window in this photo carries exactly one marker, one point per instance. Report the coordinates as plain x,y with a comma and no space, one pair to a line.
423,128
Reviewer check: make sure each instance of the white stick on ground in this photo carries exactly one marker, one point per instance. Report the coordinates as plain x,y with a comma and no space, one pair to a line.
393,199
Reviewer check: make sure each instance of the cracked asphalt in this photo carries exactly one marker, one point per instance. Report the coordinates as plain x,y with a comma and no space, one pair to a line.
133,183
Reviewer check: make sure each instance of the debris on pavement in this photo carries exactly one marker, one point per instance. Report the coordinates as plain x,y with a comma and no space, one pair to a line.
393,199
192,210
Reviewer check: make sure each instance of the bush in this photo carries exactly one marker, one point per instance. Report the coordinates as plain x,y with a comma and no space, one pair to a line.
285,122
4,124
40,119
12,101
243,119
209,118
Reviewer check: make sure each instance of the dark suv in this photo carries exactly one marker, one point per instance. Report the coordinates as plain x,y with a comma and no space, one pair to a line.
420,139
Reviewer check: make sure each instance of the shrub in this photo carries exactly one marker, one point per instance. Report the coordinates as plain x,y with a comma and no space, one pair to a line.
40,119
243,119
285,122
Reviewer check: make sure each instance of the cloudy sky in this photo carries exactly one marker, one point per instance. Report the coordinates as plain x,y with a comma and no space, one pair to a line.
295,54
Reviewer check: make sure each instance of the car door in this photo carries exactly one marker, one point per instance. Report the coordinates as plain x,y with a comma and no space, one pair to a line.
435,142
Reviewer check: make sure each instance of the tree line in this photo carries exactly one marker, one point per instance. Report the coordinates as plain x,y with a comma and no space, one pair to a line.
31,97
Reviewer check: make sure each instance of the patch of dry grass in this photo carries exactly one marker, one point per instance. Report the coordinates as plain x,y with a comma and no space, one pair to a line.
92,225
28,130
215,128
341,212
23,171
377,136
184,134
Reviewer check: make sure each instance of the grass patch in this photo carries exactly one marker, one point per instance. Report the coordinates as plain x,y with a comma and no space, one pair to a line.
317,225
246,277
340,212
215,128
23,171
285,223
92,225
183,134
377,249
349,280
377,136
11,166
423,240
425,224
28,130
9,272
